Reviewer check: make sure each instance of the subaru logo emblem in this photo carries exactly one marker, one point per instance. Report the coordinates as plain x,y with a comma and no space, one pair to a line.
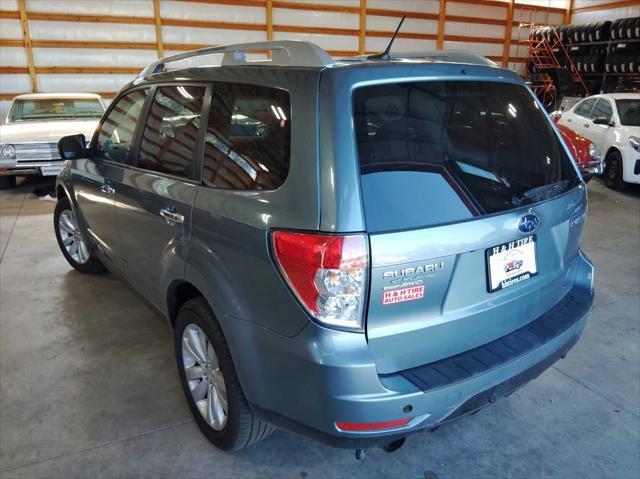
528,223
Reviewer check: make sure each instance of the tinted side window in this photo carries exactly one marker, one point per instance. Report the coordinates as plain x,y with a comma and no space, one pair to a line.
170,136
602,109
115,138
248,137
584,108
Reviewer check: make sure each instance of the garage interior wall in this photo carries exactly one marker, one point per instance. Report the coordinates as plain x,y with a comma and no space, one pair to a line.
98,46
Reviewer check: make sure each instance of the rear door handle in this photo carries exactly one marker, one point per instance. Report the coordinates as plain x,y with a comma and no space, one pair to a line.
108,189
171,215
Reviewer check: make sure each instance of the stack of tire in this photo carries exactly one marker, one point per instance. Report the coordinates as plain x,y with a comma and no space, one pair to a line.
623,57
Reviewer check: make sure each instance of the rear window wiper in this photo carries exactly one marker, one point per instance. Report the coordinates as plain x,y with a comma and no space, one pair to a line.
540,193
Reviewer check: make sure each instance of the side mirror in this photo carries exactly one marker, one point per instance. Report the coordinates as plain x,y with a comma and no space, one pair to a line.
602,120
72,147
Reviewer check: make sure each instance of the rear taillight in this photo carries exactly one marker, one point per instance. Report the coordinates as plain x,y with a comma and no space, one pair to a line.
327,273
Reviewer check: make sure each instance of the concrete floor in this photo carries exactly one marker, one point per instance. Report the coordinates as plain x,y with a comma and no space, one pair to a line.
88,385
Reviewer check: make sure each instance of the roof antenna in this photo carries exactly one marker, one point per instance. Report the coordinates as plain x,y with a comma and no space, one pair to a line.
385,55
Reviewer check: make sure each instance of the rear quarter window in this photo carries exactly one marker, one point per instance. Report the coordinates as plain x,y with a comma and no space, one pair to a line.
444,151
248,138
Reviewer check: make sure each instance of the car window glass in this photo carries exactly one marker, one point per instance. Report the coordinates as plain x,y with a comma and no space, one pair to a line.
170,135
602,109
116,134
247,142
629,112
584,108
478,147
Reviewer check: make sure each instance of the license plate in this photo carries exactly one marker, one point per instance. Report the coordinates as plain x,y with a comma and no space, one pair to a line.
50,170
511,263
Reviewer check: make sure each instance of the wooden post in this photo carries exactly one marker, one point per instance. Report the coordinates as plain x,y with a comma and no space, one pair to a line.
363,27
269,5
158,21
568,12
24,21
442,11
506,51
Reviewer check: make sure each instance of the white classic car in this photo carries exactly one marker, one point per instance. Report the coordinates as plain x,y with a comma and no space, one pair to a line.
35,123
612,122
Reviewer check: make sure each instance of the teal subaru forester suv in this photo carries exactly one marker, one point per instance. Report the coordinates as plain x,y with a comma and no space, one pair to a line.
354,250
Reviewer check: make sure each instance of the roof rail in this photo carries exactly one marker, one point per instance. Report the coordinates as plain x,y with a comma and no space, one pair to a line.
284,52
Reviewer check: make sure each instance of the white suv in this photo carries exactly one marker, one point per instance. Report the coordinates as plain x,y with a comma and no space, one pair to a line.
612,122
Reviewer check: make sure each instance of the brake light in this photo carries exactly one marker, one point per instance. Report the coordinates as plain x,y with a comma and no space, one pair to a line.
372,426
327,273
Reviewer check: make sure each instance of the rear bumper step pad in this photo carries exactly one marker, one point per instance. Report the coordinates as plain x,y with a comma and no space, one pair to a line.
477,361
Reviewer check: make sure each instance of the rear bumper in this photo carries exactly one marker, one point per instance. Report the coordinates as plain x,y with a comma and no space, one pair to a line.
309,382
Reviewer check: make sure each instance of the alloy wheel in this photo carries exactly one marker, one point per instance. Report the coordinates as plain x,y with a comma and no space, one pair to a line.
204,376
71,239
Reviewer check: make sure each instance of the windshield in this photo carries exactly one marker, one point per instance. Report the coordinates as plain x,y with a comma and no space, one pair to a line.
442,151
55,109
629,112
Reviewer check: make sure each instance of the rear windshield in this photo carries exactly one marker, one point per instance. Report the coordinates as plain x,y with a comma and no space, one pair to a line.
55,109
444,151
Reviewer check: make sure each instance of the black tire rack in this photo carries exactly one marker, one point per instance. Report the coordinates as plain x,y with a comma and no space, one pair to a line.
607,54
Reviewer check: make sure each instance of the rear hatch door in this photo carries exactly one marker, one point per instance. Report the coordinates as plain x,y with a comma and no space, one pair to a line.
474,211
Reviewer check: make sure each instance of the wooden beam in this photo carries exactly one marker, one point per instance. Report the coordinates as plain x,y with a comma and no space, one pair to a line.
507,36
11,42
316,7
73,70
10,14
478,20
72,17
606,6
362,24
383,12
179,22
568,12
24,21
158,23
234,3
93,44
269,6
320,30
401,34
442,15
470,39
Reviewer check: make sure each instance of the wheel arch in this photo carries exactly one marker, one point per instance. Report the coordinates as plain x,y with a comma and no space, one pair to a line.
178,293
61,192
612,149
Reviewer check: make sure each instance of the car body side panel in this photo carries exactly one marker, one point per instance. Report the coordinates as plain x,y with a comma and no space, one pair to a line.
229,254
154,249
96,208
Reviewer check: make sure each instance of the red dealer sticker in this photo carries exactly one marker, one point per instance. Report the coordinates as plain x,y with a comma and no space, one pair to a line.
404,294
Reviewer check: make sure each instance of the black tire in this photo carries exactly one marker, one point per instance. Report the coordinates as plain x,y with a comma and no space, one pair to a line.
7,182
242,427
93,264
613,172
613,30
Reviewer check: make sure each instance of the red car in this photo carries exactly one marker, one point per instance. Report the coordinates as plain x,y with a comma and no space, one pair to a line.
586,154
